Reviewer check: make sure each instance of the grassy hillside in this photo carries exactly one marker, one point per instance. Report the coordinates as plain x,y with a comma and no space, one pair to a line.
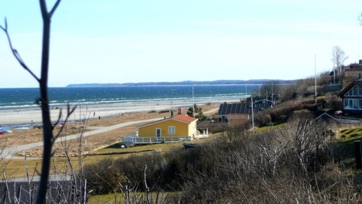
297,162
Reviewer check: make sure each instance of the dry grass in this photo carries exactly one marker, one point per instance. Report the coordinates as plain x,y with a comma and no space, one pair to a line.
91,143
16,167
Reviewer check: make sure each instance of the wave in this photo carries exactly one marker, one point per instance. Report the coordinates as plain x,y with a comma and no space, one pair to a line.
25,98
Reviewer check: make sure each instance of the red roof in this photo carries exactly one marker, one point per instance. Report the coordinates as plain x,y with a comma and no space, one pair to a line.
184,118
181,118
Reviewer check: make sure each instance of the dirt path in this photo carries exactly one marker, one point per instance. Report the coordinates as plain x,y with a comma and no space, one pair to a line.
8,152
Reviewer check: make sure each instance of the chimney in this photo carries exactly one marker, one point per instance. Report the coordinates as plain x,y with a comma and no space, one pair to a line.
179,111
360,61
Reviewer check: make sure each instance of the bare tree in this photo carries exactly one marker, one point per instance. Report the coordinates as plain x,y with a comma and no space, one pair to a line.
338,58
270,90
43,101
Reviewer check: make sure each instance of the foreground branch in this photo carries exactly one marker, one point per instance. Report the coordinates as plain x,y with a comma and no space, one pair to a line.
47,125
16,53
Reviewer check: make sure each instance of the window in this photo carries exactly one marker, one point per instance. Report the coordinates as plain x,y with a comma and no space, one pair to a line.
360,91
353,91
171,130
158,133
350,104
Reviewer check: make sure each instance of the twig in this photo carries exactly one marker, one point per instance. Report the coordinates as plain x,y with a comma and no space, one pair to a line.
69,113
54,8
16,53
145,182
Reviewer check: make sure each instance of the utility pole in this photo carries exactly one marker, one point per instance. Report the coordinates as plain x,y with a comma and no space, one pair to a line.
315,79
252,112
272,95
193,102
334,74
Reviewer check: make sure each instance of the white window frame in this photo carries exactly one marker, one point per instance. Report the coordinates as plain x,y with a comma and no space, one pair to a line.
171,130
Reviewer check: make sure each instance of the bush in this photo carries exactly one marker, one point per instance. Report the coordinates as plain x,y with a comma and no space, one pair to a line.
103,177
134,168
293,163
279,166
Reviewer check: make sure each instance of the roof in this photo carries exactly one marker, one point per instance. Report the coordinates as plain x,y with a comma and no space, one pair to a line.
350,86
180,118
243,107
184,118
233,108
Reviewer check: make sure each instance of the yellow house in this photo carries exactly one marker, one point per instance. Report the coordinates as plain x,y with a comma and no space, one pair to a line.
179,127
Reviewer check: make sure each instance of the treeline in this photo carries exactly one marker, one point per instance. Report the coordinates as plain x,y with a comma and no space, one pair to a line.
186,83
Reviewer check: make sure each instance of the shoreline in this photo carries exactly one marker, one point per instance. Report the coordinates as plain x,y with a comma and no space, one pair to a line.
32,116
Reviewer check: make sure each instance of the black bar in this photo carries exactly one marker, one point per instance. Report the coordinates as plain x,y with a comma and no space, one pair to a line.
357,148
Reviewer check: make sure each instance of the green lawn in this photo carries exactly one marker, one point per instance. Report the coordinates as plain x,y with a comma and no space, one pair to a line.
344,147
107,198
350,134
115,148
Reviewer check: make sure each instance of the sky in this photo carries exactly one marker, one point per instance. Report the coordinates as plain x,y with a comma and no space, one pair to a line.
121,41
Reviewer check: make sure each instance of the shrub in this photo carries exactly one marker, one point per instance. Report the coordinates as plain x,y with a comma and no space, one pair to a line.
134,167
293,163
282,165
103,177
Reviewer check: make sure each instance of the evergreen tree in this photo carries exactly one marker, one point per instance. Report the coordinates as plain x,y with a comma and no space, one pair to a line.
196,112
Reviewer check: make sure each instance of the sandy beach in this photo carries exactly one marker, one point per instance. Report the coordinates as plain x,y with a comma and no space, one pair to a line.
112,115
33,115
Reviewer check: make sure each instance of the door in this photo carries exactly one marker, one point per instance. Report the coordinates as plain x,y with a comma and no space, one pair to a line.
158,133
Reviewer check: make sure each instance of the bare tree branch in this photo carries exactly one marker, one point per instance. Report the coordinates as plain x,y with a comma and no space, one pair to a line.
43,9
69,113
48,135
54,8
6,26
59,118
16,53
338,58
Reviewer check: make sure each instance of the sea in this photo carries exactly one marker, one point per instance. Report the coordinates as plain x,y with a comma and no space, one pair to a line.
16,98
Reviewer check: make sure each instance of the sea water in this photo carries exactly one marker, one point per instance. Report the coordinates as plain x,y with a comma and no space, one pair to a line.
15,98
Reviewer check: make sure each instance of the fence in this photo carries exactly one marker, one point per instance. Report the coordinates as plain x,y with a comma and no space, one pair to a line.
155,140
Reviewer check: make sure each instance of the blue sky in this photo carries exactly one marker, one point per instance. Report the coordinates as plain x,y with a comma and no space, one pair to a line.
119,41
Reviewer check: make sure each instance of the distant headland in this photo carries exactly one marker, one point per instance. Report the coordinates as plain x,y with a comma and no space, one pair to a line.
185,83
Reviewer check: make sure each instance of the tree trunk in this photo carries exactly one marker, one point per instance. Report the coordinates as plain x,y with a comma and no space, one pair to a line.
47,124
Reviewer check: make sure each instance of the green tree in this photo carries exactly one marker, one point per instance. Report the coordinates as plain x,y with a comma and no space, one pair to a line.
196,112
